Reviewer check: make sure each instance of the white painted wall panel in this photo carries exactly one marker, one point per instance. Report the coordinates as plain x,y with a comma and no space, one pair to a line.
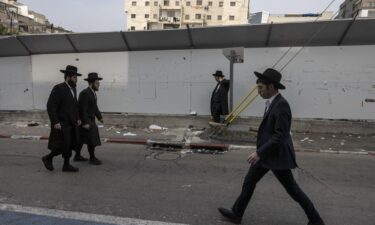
112,66
322,82
16,83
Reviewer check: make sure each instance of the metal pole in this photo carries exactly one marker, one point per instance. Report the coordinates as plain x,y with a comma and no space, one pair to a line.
231,84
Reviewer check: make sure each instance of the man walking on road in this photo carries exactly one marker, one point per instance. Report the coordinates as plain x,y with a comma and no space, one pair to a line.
274,152
62,108
88,110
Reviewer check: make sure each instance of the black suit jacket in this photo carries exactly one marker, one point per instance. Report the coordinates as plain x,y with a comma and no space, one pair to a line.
221,96
88,107
274,143
62,107
88,110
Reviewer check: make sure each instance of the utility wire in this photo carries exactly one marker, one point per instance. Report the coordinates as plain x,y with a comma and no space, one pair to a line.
309,41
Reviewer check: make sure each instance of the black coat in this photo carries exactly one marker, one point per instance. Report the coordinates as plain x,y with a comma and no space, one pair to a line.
219,98
274,143
62,108
88,110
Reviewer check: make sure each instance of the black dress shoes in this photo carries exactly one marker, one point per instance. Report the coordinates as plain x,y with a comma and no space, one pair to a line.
69,168
228,214
79,158
95,161
47,163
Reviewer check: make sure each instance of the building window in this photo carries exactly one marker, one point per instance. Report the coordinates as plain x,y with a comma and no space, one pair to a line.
166,3
231,17
134,3
177,3
147,16
232,3
219,17
132,28
133,16
198,16
187,17
208,17
155,16
221,4
147,3
156,3
187,3
171,13
210,3
199,2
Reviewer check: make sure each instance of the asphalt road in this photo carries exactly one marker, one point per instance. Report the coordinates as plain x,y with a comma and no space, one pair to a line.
141,184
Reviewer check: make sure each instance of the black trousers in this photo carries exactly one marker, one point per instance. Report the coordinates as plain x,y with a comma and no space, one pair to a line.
286,178
90,148
216,112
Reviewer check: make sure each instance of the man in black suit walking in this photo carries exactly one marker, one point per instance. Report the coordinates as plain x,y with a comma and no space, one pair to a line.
219,97
274,152
62,108
88,110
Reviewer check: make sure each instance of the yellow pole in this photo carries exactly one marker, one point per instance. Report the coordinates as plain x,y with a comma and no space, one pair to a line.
238,106
243,109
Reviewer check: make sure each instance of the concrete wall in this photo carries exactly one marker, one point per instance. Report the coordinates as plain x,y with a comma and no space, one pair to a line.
322,82
16,86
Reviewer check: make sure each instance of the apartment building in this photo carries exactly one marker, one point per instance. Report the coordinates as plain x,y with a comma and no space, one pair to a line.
17,18
359,8
175,14
265,17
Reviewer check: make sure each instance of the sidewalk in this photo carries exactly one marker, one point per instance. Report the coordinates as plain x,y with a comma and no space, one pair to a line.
198,138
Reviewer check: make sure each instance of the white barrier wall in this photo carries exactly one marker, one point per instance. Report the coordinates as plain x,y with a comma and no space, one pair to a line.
16,86
113,66
322,82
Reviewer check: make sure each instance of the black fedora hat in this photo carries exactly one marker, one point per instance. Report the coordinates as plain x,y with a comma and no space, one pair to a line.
71,70
218,73
93,76
271,75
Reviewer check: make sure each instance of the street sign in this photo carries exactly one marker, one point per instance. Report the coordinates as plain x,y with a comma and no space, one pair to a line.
234,54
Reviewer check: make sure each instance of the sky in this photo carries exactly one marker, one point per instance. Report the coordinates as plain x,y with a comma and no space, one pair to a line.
109,15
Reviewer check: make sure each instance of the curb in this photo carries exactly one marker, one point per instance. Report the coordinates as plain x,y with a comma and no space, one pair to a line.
250,147
208,146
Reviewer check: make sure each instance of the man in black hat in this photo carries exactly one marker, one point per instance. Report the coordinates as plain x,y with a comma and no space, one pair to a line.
274,152
219,97
88,110
62,108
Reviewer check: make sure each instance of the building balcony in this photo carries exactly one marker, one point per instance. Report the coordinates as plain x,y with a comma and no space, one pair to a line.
170,7
170,20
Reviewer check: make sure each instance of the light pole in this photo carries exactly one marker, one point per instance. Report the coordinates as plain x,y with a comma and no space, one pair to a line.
234,55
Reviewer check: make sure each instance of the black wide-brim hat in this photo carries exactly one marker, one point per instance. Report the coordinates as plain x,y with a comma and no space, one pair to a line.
271,75
71,70
218,73
92,77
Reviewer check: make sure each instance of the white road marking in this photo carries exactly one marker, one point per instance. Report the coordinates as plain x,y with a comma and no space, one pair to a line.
88,217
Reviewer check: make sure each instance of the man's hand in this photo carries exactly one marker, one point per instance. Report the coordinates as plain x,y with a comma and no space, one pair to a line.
253,158
101,120
57,126
86,126
79,122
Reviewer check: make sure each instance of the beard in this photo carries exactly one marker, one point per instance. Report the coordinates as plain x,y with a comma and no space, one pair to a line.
72,83
95,88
